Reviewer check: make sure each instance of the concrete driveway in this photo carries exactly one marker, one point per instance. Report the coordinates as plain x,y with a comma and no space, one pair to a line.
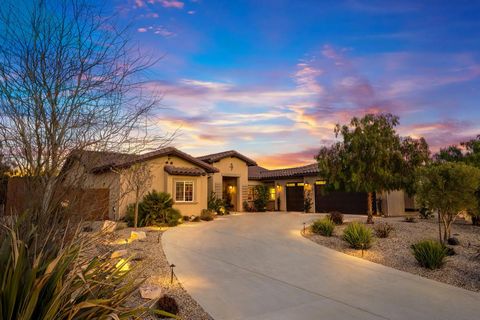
258,266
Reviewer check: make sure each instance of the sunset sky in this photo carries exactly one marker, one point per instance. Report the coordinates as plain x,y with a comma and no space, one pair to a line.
271,78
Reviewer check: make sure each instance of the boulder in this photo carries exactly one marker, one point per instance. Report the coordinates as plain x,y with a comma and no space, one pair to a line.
138,235
109,226
150,291
119,253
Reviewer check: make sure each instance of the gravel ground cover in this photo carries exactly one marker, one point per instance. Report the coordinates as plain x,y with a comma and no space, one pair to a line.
462,269
151,264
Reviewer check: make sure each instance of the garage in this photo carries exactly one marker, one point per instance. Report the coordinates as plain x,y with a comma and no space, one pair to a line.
345,202
294,196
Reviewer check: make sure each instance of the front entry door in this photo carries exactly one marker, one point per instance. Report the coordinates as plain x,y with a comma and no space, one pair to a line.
294,198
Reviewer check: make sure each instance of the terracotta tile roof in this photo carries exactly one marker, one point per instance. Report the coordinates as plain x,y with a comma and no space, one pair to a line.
255,172
97,162
259,173
181,171
214,157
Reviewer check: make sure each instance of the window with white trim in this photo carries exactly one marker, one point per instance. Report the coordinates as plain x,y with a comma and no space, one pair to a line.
184,191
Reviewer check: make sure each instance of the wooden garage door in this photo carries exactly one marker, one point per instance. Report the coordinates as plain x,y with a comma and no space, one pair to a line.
294,197
345,202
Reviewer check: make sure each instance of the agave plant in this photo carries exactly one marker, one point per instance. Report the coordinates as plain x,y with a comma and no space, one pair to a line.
49,280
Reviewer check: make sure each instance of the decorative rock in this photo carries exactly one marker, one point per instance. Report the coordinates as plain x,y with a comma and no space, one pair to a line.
138,235
148,291
109,226
139,257
118,254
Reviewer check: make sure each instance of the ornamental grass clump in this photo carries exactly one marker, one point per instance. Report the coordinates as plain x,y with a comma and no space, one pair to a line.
323,227
358,236
429,253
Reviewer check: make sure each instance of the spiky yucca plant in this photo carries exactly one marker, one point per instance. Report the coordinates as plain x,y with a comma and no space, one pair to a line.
44,279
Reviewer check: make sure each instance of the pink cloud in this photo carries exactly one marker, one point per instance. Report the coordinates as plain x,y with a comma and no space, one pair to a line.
288,159
142,30
172,4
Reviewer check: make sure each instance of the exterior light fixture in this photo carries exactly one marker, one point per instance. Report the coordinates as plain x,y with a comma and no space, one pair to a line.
171,272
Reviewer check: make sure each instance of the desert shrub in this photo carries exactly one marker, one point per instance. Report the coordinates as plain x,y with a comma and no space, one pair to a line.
358,236
324,227
168,304
196,219
425,213
307,201
207,215
172,217
217,205
154,209
410,219
336,217
453,241
429,253
383,230
261,198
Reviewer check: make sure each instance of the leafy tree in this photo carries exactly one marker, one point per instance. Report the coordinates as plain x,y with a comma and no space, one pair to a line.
450,189
261,198
372,157
467,152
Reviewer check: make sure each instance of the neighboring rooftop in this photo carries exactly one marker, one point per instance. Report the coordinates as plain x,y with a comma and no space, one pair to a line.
214,157
99,161
259,173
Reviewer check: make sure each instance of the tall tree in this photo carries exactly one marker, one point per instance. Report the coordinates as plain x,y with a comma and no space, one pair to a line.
449,188
371,157
70,79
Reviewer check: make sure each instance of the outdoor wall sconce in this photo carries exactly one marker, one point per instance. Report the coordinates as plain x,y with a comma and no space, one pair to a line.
171,272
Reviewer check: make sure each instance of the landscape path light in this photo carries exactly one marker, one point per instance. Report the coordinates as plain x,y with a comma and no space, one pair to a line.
171,272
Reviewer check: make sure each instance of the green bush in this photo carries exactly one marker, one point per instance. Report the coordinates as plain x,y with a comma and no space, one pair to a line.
261,198
383,230
358,236
336,217
173,217
429,253
324,227
154,209
207,215
217,205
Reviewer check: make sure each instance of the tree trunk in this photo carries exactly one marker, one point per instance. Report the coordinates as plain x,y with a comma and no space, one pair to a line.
370,208
135,213
439,227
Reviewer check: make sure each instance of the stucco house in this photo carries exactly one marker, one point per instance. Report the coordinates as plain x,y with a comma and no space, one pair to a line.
190,180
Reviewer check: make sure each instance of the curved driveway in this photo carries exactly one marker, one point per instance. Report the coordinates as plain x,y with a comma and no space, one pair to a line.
258,266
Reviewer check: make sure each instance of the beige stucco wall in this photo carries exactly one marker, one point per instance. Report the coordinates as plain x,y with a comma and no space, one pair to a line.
164,182
393,203
232,167
79,178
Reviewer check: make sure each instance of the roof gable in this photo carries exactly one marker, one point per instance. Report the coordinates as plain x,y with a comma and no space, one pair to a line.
97,162
214,157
